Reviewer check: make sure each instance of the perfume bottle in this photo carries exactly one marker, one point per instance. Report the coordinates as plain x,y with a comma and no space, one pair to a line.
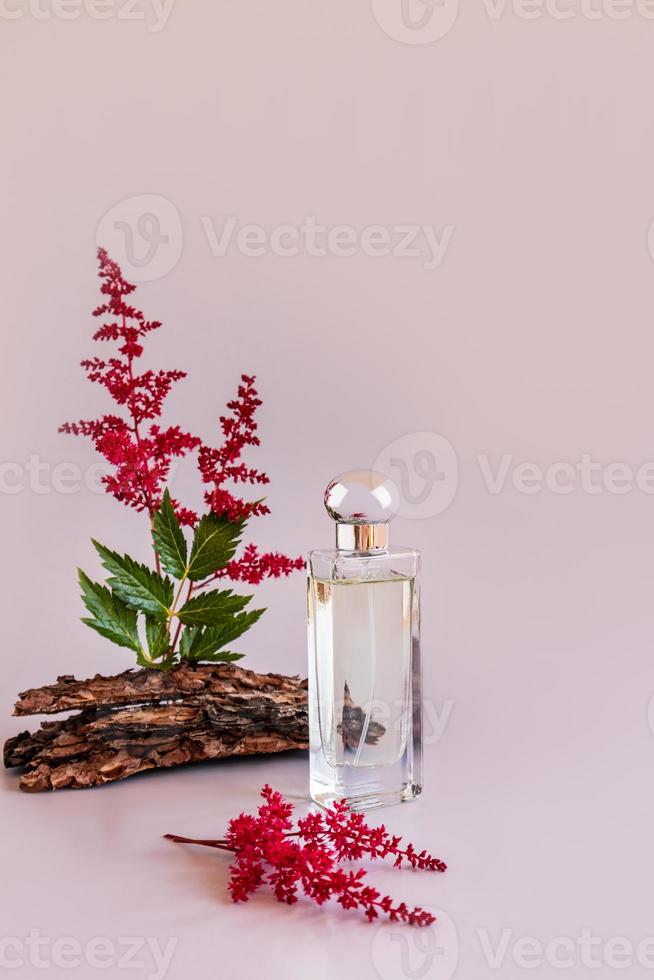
365,710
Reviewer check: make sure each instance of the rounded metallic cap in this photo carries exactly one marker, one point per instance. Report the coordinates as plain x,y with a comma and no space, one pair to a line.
362,497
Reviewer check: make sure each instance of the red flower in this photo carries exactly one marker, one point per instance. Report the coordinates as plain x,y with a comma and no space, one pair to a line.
222,464
141,451
268,850
142,454
253,567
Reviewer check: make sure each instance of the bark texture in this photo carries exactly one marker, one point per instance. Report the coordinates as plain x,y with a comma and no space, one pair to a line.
145,719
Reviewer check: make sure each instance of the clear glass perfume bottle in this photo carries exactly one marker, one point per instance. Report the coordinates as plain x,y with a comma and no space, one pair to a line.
365,710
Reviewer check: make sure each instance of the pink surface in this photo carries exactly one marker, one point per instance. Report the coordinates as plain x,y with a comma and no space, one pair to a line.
520,151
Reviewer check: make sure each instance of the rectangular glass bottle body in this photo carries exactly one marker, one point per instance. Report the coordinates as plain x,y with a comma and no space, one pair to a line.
365,708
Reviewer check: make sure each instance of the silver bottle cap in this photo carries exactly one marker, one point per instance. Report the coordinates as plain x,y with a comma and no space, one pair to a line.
362,503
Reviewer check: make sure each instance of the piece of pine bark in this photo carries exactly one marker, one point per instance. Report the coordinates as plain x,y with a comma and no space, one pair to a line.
184,682
141,720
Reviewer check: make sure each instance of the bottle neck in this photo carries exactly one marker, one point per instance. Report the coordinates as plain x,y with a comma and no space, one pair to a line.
361,537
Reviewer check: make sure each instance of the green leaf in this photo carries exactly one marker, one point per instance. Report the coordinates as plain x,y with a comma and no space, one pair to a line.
223,656
169,538
237,626
214,544
212,608
110,617
136,584
158,637
212,638
144,660
188,635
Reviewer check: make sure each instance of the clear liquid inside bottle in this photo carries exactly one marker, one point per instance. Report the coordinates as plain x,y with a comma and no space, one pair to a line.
364,684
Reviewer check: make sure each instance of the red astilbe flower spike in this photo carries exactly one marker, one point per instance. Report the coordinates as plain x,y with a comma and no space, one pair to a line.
253,567
141,454
219,465
222,464
268,850
352,838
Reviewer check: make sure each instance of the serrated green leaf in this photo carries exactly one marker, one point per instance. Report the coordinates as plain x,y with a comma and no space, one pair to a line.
223,656
214,544
203,644
158,637
136,584
169,538
212,608
143,660
212,638
111,618
188,635
238,625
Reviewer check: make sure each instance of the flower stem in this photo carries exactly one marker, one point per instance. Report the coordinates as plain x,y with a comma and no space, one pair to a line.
179,622
149,503
176,599
212,578
220,845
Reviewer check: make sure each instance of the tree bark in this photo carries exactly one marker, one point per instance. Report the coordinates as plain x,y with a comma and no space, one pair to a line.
147,719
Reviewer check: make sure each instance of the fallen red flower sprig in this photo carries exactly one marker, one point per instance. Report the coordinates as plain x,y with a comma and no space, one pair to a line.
268,850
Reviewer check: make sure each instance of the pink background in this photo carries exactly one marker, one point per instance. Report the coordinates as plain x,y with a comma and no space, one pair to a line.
533,139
